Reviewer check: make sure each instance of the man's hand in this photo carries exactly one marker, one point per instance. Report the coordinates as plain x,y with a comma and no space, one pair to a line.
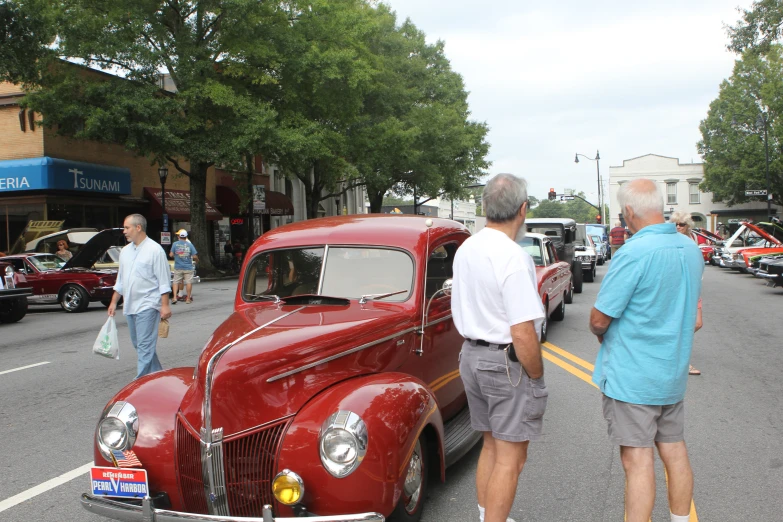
115,298
171,254
112,309
528,348
165,311
599,323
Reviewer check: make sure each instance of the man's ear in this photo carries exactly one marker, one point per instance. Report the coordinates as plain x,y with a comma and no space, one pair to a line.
523,209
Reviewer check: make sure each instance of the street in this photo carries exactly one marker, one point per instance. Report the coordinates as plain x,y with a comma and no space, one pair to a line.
53,390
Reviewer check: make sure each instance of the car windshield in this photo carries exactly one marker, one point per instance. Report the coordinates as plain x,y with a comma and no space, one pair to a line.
112,255
551,231
596,239
46,262
532,245
345,272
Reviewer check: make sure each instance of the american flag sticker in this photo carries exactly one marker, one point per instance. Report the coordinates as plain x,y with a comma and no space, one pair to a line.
123,483
125,459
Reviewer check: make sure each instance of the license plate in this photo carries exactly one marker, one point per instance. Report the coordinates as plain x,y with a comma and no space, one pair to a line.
119,482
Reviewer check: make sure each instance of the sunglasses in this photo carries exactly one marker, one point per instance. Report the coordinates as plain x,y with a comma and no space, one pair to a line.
682,224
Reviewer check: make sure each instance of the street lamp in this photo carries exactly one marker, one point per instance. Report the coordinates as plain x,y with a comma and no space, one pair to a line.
763,119
163,173
597,177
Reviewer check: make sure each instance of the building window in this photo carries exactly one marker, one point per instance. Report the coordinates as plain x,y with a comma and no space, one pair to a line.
695,195
671,193
289,189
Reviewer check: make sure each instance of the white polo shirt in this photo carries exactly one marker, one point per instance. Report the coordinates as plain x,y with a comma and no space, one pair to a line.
495,288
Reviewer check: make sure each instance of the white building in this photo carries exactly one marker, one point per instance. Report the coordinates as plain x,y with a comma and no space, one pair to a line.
459,210
679,183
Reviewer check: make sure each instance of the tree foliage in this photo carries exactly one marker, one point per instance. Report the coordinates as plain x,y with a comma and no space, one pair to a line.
759,27
576,209
24,37
732,141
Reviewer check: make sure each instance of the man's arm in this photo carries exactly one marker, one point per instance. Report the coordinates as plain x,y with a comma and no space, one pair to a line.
599,323
528,348
163,275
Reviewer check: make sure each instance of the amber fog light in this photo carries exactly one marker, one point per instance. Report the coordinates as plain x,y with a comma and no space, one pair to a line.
288,487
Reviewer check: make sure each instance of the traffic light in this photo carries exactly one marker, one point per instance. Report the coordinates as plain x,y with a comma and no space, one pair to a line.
552,194
598,219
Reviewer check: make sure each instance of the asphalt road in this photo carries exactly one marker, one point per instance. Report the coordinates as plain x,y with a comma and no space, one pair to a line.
734,416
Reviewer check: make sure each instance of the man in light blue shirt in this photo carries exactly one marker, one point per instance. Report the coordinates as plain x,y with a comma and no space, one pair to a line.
144,282
645,318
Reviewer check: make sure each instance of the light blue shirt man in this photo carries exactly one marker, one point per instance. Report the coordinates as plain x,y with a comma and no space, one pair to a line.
144,276
651,291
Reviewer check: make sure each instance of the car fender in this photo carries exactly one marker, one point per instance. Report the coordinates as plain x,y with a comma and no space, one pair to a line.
61,291
396,408
156,397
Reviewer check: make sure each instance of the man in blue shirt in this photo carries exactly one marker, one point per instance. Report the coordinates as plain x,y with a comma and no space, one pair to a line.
184,253
645,318
144,282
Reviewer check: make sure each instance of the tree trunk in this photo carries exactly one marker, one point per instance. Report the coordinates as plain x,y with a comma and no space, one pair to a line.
199,233
376,201
249,208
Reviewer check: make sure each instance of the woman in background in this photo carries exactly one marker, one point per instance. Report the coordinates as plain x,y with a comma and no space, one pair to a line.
684,223
62,250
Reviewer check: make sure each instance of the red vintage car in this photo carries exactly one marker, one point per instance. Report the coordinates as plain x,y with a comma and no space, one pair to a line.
331,391
555,281
70,283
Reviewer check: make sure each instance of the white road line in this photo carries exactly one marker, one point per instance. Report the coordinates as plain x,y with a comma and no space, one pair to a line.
25,367
43,488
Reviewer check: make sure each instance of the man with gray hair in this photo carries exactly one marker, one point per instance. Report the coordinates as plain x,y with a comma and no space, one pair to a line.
497,309
144,282
645,318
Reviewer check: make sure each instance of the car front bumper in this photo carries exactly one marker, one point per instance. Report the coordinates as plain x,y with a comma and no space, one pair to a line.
117,510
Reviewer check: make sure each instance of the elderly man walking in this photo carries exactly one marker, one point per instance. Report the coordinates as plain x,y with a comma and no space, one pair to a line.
497,309
144,282
645,318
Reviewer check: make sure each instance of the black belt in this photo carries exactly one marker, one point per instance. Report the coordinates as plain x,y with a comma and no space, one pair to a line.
481,342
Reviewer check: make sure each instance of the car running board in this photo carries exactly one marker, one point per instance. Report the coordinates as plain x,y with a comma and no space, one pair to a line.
460,437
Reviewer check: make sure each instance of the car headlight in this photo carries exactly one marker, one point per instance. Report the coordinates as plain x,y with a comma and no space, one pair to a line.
9,277
117,429
343,443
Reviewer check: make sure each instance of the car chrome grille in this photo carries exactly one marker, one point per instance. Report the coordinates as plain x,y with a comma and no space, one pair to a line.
249,464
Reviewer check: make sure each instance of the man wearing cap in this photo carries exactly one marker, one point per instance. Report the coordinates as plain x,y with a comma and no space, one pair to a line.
184,253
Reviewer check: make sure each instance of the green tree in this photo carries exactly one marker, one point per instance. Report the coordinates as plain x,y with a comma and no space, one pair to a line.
732,141
24,37
576,209
205,45
759,27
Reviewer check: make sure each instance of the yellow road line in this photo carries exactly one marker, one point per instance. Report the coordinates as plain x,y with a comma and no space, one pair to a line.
571,357
444,382
567,367
693,517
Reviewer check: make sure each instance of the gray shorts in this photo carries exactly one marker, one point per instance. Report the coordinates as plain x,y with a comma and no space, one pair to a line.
641,425
511,414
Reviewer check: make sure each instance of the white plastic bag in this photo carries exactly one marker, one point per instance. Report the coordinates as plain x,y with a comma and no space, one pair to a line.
107,344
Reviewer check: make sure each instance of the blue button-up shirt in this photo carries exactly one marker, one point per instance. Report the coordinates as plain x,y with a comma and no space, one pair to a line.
651,291
144,275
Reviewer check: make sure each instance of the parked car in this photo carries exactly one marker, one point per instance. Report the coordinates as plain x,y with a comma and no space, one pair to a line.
75,237
594,229
601,250
585,253
562,233
555,281
110,260
771,270
751,238
72,284
332,389
13,300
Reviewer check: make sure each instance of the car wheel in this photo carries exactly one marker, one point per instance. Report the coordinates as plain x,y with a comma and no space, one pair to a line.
13,310
589,276
600,261
74,299
411,504
569,295
559,313
576,273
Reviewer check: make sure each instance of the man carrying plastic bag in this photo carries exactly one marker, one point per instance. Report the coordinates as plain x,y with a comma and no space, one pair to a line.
107,344
144,282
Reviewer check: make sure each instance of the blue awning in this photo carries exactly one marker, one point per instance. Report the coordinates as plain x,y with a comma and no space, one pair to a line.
47,173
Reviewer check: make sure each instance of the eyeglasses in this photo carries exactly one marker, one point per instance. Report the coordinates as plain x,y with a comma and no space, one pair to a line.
682,225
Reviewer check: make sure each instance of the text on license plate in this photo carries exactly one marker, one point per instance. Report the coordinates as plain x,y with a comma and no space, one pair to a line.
119,482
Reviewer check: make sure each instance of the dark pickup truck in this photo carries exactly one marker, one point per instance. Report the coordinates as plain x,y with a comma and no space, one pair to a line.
562,233
13,300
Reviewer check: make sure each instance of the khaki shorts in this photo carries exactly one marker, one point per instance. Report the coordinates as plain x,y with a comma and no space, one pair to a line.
511,414
180,275
641,425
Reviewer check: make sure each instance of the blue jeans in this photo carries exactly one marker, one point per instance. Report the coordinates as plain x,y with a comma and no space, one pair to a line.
143,329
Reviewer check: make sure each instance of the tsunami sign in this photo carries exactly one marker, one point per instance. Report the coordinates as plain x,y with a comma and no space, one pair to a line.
116,482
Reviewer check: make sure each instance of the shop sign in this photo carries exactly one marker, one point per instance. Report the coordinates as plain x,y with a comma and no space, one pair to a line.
165,238
237,221
53,173
259,198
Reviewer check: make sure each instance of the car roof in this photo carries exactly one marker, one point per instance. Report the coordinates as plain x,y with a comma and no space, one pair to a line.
559,221
536,236
400,230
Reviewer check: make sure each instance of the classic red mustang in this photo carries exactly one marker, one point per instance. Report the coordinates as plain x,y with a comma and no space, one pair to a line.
70,283
555,281
331,391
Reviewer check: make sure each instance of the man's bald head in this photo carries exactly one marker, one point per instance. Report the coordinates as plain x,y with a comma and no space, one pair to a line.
642,196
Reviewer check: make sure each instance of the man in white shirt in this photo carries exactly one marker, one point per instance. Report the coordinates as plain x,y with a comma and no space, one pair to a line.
144,282
497,309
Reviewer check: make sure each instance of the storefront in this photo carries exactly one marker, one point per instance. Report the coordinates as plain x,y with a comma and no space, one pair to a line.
177,207
80,194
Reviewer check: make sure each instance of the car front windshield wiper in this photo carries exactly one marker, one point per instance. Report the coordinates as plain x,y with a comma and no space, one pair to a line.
273,297
372,297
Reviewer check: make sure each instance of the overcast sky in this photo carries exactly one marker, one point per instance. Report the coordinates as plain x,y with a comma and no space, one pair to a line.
555,78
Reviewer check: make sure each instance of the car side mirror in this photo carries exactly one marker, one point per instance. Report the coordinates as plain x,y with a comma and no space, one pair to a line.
447,285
